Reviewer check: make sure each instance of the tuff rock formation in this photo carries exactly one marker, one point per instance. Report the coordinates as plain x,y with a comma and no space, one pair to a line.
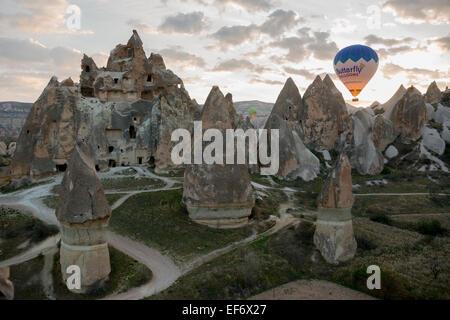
441,114
3,149
324,116
409,115
391,152
83,213
364,156
334,230
433,93
124,112
218,195
289,104
388,106
383,132
295,160
432,140
6,286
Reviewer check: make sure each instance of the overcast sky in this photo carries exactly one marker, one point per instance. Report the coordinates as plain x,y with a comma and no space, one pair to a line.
247,47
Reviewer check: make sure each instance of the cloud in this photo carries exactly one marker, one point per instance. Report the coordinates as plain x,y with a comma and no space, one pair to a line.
259,5
390,69
343,26
321,47
443,42
41,16
235,35
237,65
307,44
23,54
276,24
279,21
419,11
295,46
140,26
266,81
397,50
305,73
189,23
182,59
372,39
24,87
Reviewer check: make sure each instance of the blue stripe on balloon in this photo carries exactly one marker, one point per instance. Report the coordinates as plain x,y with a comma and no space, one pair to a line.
355,53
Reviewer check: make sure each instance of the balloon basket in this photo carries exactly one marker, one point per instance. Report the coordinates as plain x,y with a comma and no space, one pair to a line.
355,99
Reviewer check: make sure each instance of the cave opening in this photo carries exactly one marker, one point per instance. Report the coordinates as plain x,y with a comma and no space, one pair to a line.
132,132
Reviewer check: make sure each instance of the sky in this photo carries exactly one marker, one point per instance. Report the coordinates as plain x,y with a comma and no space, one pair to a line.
246,47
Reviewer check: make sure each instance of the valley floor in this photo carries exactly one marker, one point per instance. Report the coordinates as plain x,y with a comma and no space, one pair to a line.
266,258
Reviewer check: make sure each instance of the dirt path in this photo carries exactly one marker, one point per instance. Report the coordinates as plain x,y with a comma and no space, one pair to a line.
197,262
164,270
419,214
311,290
41,248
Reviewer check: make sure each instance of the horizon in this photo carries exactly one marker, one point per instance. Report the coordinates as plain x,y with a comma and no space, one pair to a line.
248,48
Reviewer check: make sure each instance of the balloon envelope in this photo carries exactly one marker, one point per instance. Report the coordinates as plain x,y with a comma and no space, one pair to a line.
355,66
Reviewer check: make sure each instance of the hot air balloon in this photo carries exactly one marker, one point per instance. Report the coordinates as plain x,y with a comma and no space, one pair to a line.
252,112
355,66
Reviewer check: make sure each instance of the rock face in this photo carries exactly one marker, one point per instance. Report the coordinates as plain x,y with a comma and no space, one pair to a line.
295,160
289,104
218,195
324,115
84,213
441,114
364,156
3,149
433,93
12,117
432,140
391,152
446,131
6,286
409,115
334,230
388,106
383,132
124,112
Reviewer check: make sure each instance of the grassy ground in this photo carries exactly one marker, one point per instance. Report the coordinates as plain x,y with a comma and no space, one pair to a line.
404,257
158,219
269,204
125,273
132,184
27,281
367,205
403,181
16,228
8,189
171,174
52,201
126,172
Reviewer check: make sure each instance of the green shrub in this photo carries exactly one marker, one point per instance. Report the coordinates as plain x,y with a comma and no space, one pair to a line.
381,217
432,228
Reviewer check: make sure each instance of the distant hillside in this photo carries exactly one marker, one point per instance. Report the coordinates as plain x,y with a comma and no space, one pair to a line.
263,110
12,117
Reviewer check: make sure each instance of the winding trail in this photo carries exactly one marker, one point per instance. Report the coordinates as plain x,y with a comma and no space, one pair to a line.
164,270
